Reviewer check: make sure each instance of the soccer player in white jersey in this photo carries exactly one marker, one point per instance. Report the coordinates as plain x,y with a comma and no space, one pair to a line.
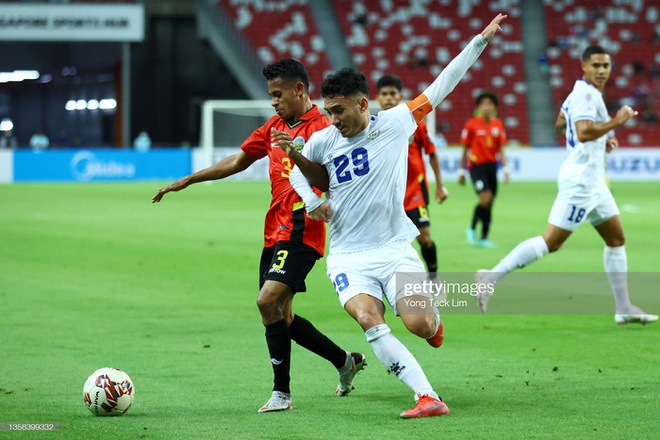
583,193
365,160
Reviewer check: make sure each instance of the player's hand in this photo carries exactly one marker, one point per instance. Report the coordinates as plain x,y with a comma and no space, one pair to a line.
284,140
441,193
624,113
176,186
494,27
461,179
323,212
611,145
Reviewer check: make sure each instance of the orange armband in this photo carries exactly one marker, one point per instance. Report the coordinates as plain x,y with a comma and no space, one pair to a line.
420,107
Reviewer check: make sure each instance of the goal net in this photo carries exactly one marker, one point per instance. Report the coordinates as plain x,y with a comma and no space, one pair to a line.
227,123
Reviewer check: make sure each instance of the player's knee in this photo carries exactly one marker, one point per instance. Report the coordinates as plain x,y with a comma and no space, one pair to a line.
421,325
486,203
553,245
486,199
616,241
266,305
368,318
270,304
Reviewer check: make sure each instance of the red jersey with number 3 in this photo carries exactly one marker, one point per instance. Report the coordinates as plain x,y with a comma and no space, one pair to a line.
420,144
484,140
286,219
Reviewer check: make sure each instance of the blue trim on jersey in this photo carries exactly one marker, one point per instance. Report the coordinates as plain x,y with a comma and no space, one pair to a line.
570,135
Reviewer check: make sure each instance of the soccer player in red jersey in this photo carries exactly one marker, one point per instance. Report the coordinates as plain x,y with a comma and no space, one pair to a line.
293,242
483,137
416,200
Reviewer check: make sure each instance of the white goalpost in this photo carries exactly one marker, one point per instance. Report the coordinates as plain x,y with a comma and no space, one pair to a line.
225,124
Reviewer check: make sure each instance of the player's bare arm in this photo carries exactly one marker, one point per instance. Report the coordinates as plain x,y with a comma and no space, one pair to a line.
441,192
453,72
588,131
561,124
461,166
505,165
493,27
226,167
315,173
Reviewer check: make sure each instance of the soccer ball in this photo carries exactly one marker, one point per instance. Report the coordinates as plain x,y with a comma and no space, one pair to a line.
108,392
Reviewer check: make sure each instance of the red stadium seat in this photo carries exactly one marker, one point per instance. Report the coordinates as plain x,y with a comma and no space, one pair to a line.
415,40
283,29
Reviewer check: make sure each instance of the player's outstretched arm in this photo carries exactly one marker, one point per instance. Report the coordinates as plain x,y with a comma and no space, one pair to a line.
315,173
226,167
455,70
493,27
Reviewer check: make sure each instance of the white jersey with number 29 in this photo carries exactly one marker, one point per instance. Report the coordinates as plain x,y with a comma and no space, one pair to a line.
367,180
367,171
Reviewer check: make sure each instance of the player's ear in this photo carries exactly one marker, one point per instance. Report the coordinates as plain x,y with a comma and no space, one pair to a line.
363,102
300,88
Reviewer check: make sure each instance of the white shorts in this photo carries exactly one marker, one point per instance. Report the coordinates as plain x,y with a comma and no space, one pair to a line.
576,204
372,271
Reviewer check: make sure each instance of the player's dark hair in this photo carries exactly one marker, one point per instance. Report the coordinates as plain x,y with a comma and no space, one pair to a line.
287,70
390,80
345,82
593,50
487,95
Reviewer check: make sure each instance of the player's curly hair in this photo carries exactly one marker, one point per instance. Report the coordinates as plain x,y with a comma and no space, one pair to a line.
487,95
345,82
593,50
390,80
287,69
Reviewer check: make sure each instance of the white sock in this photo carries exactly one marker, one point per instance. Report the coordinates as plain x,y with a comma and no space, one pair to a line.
398,360
348,364
616,267
522,255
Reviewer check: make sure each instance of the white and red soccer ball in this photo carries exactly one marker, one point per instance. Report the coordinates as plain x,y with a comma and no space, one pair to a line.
108,392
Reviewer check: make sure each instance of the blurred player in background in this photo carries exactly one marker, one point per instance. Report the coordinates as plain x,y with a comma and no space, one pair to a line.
416,200
583,193
293,242
365,159
483,139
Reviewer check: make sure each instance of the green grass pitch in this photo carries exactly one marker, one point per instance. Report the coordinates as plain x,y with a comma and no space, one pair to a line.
94,275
